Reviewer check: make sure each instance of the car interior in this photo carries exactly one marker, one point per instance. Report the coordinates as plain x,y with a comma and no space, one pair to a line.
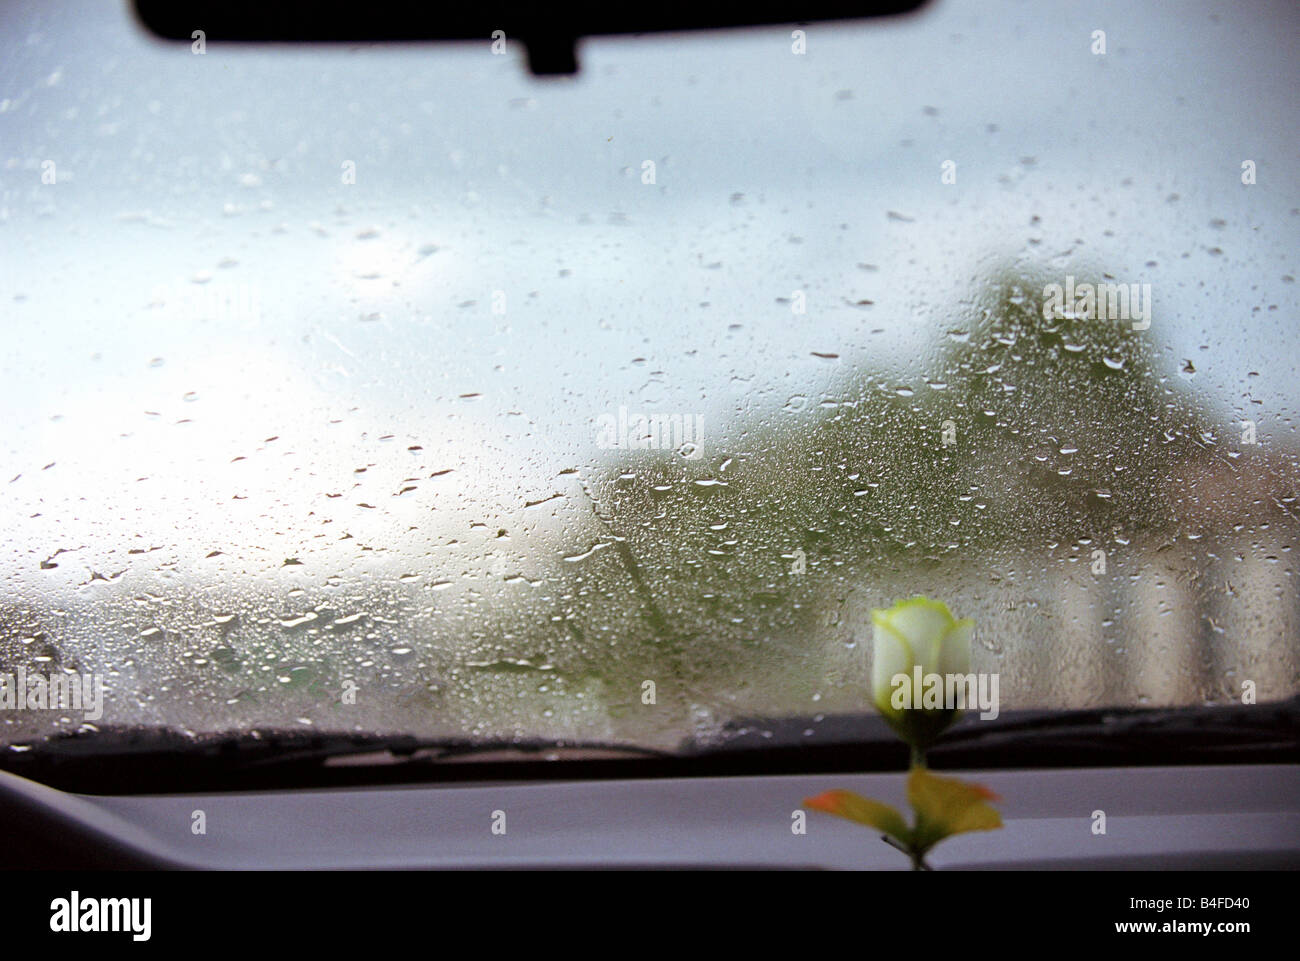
569,437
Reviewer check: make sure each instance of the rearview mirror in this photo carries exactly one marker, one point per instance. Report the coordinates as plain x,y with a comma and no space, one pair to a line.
549,32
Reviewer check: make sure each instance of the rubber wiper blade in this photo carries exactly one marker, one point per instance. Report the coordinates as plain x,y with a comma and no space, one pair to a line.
1264,732
407,750
1234,720
144,760
1227,734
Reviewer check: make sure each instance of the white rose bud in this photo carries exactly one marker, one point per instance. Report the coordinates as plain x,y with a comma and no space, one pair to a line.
916,633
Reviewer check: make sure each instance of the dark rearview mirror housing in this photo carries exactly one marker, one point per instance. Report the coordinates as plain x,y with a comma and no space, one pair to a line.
549,32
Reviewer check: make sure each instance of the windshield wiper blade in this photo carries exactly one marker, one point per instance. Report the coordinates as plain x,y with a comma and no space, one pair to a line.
140,760
1264,733
403,749
1138,735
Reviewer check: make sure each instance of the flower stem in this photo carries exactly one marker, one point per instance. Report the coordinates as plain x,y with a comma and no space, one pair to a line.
918,757
897,845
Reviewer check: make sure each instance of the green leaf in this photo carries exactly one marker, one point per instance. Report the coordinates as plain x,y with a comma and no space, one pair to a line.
846,804
946,806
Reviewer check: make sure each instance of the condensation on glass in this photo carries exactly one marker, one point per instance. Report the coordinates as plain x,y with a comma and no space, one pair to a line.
487,400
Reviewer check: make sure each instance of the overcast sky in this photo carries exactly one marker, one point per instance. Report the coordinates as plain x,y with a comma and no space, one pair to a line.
183,177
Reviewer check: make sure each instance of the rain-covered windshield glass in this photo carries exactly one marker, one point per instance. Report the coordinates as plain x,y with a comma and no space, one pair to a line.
390,389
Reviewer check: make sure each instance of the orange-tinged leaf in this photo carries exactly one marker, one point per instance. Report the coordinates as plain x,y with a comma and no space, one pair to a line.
863,810
946,806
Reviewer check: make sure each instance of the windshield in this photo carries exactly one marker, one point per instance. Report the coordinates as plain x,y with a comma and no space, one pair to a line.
390,389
